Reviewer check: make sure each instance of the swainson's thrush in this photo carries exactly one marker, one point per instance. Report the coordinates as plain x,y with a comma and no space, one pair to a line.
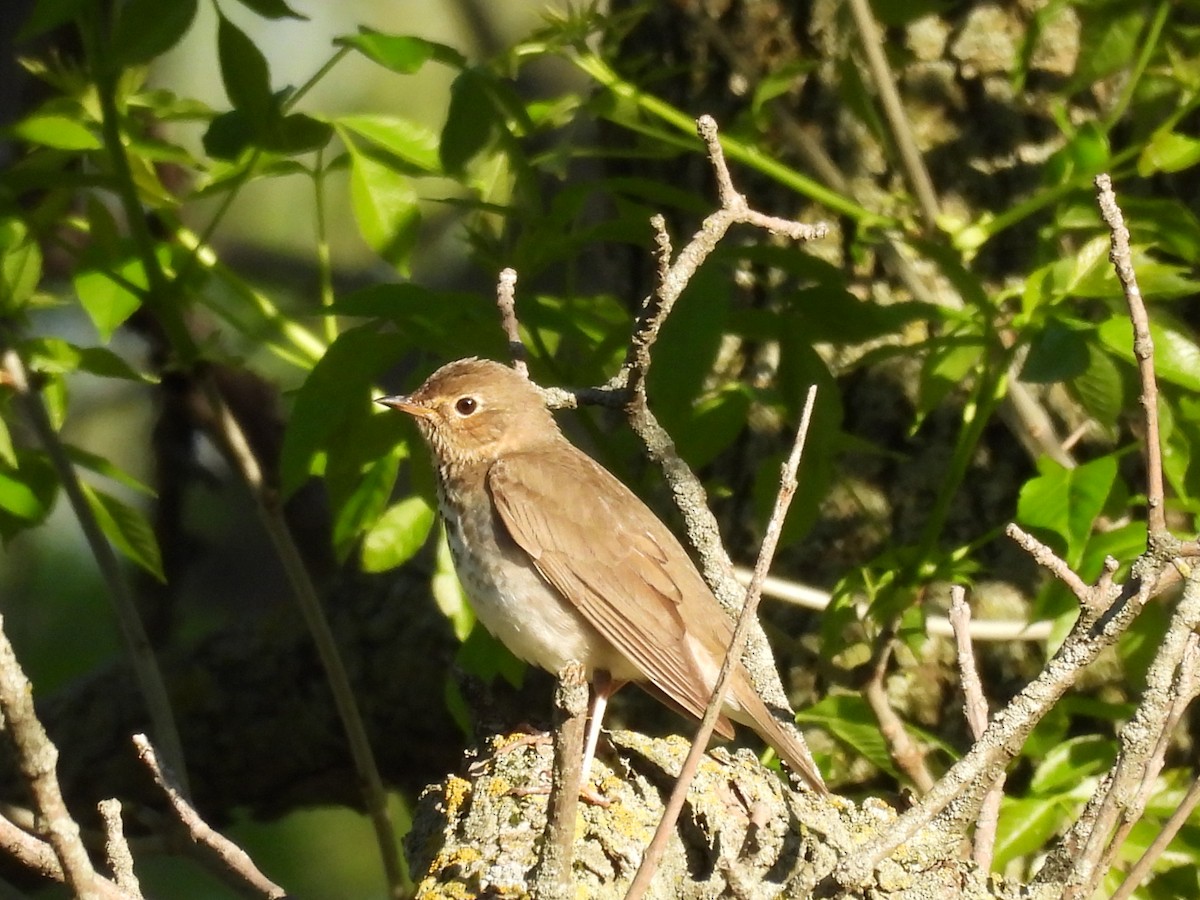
564,563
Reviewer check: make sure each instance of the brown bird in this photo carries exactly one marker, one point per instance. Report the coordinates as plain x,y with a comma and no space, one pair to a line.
563,562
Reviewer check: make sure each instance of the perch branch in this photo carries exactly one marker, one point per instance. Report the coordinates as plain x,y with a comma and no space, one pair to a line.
38,761
976,709
232,858
1143,350
783,499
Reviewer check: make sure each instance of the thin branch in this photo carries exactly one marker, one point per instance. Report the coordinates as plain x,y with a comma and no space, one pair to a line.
903,750
1052,562
553,879
37,758
231,857
893,108
629,384
506,299
1143,351
241,456
1158,846
116,848
38,857
783,499
1182,694
138,650
1138,763
976,710
1009,728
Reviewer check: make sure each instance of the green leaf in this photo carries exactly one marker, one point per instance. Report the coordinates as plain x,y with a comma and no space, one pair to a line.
244,72
408,142
273,9
1168,151
20,266
149,28
713,424
457,323
59,356
1068,763
471,122
1100,387
48,15
1111,39
1176,356
108,300
850,720
294,133
8,453
1056,353
27,492
360,472
127,530
401,53
385,206
101,466
448,592
58,131
336,394
1026,826
1067,501
398,535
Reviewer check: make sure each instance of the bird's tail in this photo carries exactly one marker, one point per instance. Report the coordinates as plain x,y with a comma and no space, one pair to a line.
785,739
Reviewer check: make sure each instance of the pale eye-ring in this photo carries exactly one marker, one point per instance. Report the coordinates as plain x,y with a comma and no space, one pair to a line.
464,406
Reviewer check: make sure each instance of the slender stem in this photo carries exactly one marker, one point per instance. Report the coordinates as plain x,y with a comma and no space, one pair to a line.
138,649
37,758
783,499
1149,45
893,108
747,154
183,345
324,264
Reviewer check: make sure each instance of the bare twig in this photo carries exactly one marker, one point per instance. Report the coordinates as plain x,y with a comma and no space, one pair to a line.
38,857
902,749
989,756
976,709
137,645
893,108
37,758
116,848
630,386
1182,693
1051,561
1138,764
553,878
787,489
1161,841
1143,351
506,300
230,856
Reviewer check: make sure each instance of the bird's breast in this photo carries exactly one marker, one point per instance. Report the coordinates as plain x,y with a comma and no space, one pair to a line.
510,597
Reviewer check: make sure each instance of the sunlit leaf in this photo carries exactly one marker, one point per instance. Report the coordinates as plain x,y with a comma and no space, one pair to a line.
400,532
128,530
401,53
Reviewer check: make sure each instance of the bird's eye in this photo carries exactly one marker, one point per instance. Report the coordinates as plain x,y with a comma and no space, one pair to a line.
466,405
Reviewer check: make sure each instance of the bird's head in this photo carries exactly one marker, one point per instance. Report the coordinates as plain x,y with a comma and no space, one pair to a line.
475,410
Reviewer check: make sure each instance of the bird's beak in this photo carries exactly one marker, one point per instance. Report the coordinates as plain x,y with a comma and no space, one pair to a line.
405,404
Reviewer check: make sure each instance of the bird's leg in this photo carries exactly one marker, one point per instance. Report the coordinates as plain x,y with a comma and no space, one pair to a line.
603,687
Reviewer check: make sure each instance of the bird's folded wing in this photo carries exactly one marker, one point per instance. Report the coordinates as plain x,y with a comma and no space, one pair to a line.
607,554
